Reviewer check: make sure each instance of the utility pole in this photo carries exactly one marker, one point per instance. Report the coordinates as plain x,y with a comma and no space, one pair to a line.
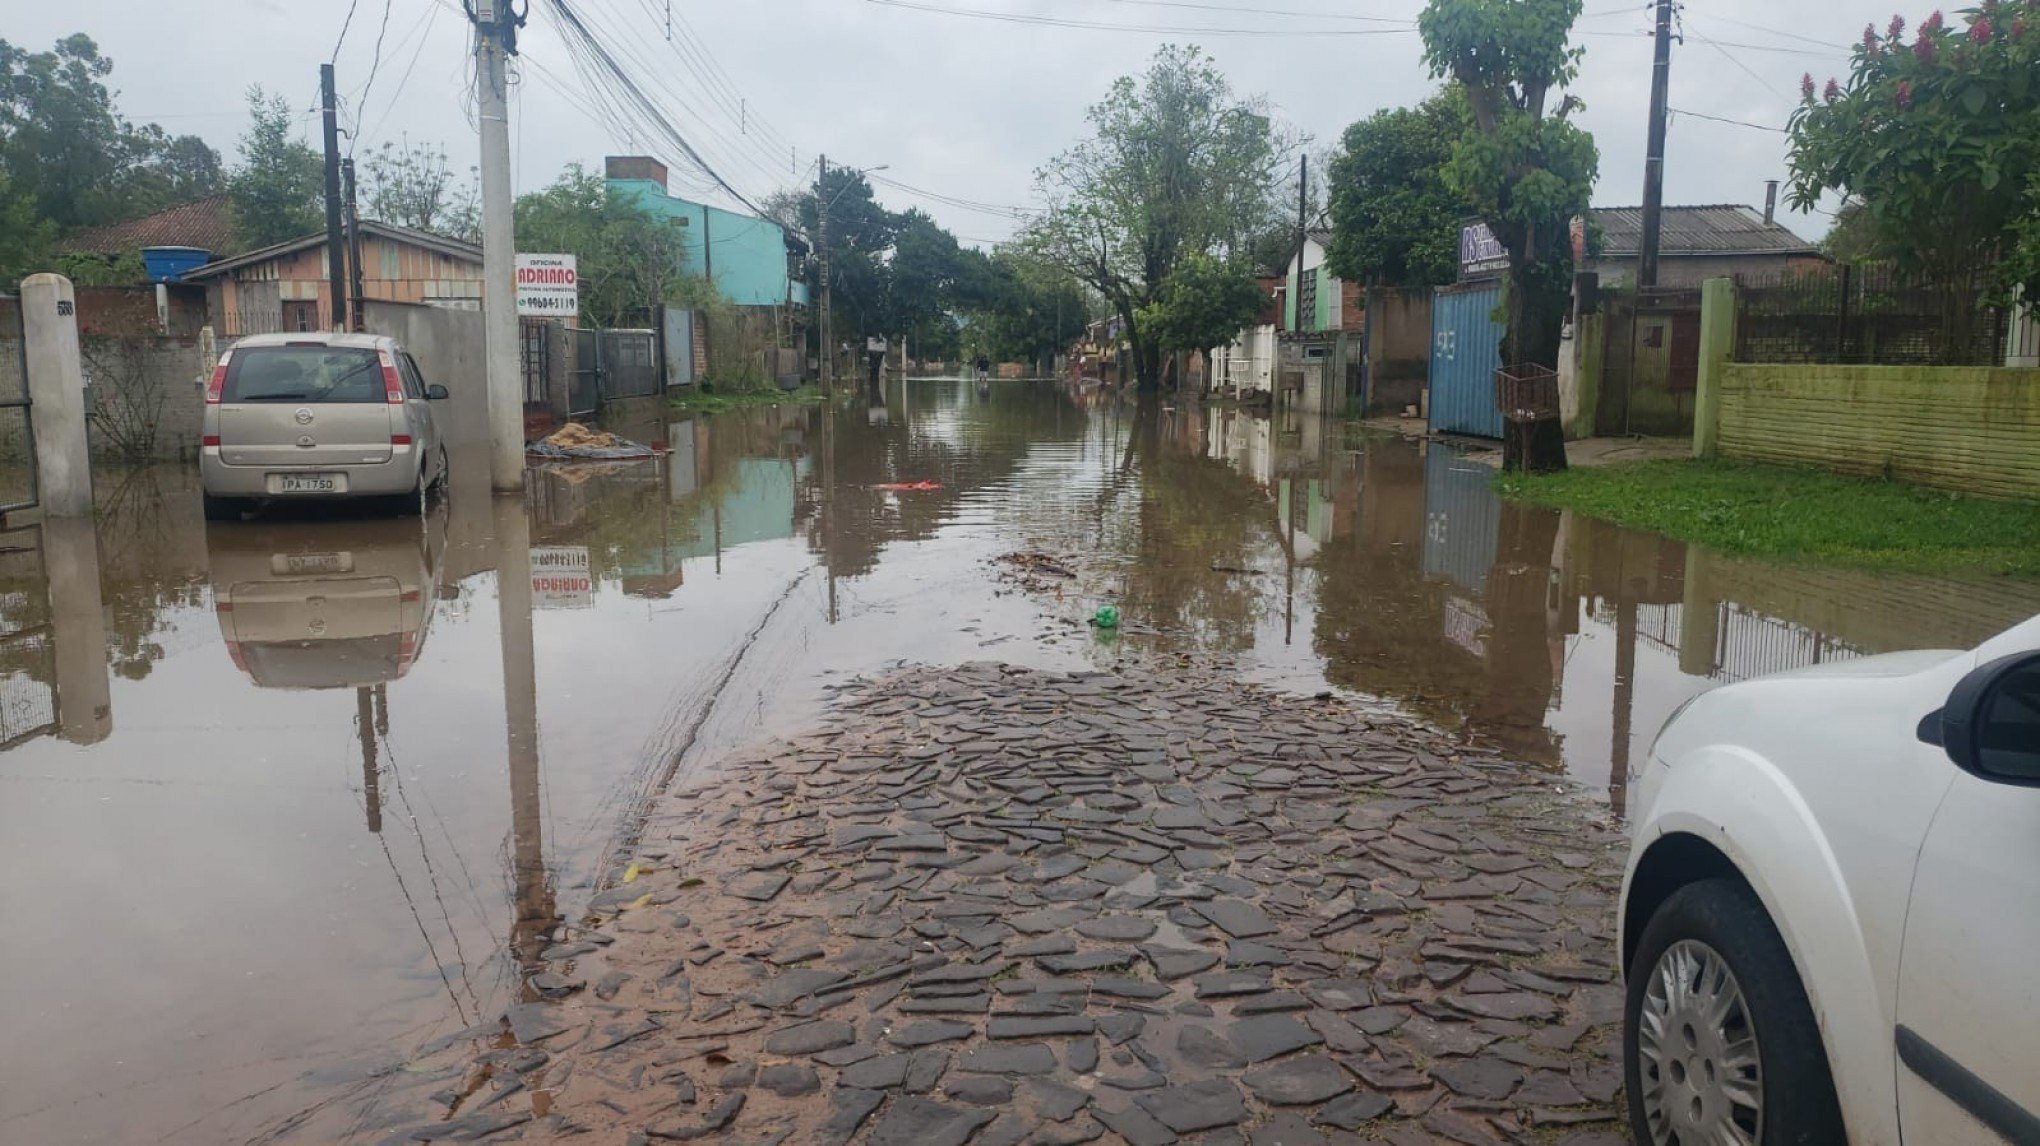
495,42
1654,156
826,340
1302,234
336,257
357,306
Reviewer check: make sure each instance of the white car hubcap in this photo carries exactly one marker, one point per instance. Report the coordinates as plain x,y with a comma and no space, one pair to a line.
1701,1078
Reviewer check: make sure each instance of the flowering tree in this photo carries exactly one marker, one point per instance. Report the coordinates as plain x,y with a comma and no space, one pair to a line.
1937,135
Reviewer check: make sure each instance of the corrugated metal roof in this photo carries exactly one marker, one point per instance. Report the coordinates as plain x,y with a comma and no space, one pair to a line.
203,223
1715,229
453,248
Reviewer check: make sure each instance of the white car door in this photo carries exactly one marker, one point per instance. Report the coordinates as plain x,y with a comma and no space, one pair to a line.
1968,1034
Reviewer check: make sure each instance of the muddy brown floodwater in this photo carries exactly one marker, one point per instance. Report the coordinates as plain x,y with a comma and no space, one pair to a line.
279,799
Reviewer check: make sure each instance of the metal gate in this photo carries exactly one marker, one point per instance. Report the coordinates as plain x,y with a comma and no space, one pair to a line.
676,345
1466,350
630,364
584,389
18,479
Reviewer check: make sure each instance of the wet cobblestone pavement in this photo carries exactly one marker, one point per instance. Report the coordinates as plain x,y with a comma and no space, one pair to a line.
999,905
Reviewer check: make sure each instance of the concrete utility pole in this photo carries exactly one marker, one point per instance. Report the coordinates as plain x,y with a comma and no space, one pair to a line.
336,256
826,341
56,395
495,42
1654,155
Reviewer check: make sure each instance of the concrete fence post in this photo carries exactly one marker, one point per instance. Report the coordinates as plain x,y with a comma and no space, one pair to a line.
1717,345
56,393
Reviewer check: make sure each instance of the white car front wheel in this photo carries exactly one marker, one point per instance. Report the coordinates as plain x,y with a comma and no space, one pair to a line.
1719,1042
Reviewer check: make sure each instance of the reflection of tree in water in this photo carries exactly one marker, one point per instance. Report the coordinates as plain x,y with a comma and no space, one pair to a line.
1385,628
1191,512
961,441
152,561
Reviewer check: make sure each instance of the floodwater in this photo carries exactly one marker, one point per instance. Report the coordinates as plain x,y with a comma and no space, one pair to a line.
282,800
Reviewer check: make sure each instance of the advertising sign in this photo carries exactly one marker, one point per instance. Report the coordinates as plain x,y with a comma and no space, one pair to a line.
1480,253
547,286
560,578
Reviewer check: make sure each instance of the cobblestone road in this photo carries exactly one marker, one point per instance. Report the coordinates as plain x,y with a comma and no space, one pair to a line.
995,905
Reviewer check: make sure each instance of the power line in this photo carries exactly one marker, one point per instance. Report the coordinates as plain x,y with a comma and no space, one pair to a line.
346,23
1731,58
1232,8
1776,32
1093,26
374,66
1723,119
599,64
424,38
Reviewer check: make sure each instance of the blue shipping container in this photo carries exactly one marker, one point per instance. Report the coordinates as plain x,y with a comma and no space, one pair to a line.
1466,350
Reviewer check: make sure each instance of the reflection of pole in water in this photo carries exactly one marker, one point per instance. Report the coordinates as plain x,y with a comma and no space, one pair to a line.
829,504
717,511
371,776
1626,594
1289,562
534,899
78,629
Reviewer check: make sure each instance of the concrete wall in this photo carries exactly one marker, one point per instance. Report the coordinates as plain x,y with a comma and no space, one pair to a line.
750,260
1971,429
448,347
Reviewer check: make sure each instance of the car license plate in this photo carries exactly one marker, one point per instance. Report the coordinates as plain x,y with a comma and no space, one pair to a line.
309,483
289,563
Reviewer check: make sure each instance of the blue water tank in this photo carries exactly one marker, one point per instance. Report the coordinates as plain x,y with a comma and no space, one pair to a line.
168,264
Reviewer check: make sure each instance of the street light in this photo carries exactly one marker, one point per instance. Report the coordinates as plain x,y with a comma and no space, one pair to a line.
827,342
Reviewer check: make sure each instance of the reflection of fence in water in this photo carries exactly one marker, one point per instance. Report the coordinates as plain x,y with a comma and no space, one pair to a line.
1748,644
28,694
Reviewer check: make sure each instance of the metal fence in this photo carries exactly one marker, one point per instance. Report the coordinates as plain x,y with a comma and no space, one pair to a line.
1869,316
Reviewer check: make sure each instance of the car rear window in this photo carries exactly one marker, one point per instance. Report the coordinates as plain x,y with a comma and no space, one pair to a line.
308,374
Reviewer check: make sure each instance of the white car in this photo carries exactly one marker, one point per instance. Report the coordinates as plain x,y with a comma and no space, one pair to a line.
1831,913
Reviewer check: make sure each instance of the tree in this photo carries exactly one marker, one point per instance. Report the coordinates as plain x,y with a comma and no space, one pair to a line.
277,192
1176,166
412,186
1853,237
1204,303
1395,222
927,268
73,157
1939,140
860,233
25,236
1525,167
627,259
1022,309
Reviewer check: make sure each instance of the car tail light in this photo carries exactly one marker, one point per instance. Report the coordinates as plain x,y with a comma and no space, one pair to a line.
393,386
400,439
412,595
216,388
210,440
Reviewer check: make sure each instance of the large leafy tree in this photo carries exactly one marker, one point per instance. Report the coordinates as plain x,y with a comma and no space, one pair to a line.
628,260
277,190
1936,135
1022,309
1525,167
927,270
1395,221
861,232
68,152
1204,303
411,185
1176,165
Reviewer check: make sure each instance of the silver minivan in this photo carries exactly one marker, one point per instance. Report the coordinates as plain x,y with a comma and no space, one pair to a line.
318,416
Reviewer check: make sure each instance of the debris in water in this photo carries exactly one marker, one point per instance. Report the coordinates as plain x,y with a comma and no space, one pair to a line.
907,486
575,440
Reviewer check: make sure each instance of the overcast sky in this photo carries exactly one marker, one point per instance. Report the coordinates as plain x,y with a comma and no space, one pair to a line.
958,106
